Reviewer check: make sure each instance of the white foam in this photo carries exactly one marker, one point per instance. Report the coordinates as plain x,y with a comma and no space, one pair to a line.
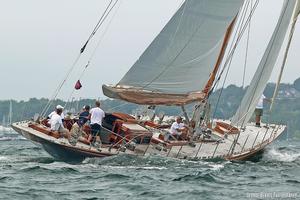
136,167
95,163
282,156
3,158
216,167
5,138
151,168
8,138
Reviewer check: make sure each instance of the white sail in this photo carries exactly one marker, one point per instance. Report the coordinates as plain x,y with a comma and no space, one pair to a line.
264,70
291,34
183,55
297,10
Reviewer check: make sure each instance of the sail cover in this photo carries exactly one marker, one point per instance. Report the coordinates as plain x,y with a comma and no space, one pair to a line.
180,59
264,70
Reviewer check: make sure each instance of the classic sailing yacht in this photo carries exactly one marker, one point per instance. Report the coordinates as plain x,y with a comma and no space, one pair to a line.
182,66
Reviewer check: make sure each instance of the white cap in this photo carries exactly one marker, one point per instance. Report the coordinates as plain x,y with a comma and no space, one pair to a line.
59,107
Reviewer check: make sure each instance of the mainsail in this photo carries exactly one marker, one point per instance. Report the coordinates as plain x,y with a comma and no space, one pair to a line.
177,65
265,67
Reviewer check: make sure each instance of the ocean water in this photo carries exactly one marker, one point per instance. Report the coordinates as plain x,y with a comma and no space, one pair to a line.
28,172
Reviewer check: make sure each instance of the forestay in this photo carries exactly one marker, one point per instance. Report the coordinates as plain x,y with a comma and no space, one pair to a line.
265,67
182,57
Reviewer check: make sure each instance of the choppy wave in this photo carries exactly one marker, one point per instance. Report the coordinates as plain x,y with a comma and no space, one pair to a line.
130,160
9,138
3,158
217,167
293,181
43,160
210,177
282,155
152,163
116,176
27,172
10,135
6,129
49,169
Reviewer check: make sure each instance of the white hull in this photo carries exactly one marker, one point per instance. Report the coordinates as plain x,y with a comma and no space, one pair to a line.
251,141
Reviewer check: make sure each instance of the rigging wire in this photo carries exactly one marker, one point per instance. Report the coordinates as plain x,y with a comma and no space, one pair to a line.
118,106
255,88
246,54
284,62
105,31
260,75
56,92
240,23
46,108
216,84
231,53
236,138
275,93
97,46
96,27
247,48
235,44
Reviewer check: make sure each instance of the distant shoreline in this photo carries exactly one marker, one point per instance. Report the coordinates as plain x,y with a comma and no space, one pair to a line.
286,109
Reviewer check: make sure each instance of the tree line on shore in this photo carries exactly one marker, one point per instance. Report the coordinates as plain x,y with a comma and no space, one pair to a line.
286,108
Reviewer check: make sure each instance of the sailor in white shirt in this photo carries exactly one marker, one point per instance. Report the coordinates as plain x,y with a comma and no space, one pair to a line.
56,124
259,109
52,113
178,128
97,114
96,117
260,104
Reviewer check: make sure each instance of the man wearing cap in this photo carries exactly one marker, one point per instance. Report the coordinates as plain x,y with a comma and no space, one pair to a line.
57,107
56,123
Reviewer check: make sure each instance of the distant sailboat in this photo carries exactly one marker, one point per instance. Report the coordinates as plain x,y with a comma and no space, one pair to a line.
10,114
2,126
181,66
3,121
6,125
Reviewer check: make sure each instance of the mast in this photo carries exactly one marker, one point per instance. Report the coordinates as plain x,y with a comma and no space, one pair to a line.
3,121
10,113
211,80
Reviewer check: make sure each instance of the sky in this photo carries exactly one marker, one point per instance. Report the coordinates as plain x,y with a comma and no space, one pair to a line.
40,40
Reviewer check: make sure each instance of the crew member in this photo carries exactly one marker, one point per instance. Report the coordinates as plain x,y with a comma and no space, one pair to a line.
96,116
